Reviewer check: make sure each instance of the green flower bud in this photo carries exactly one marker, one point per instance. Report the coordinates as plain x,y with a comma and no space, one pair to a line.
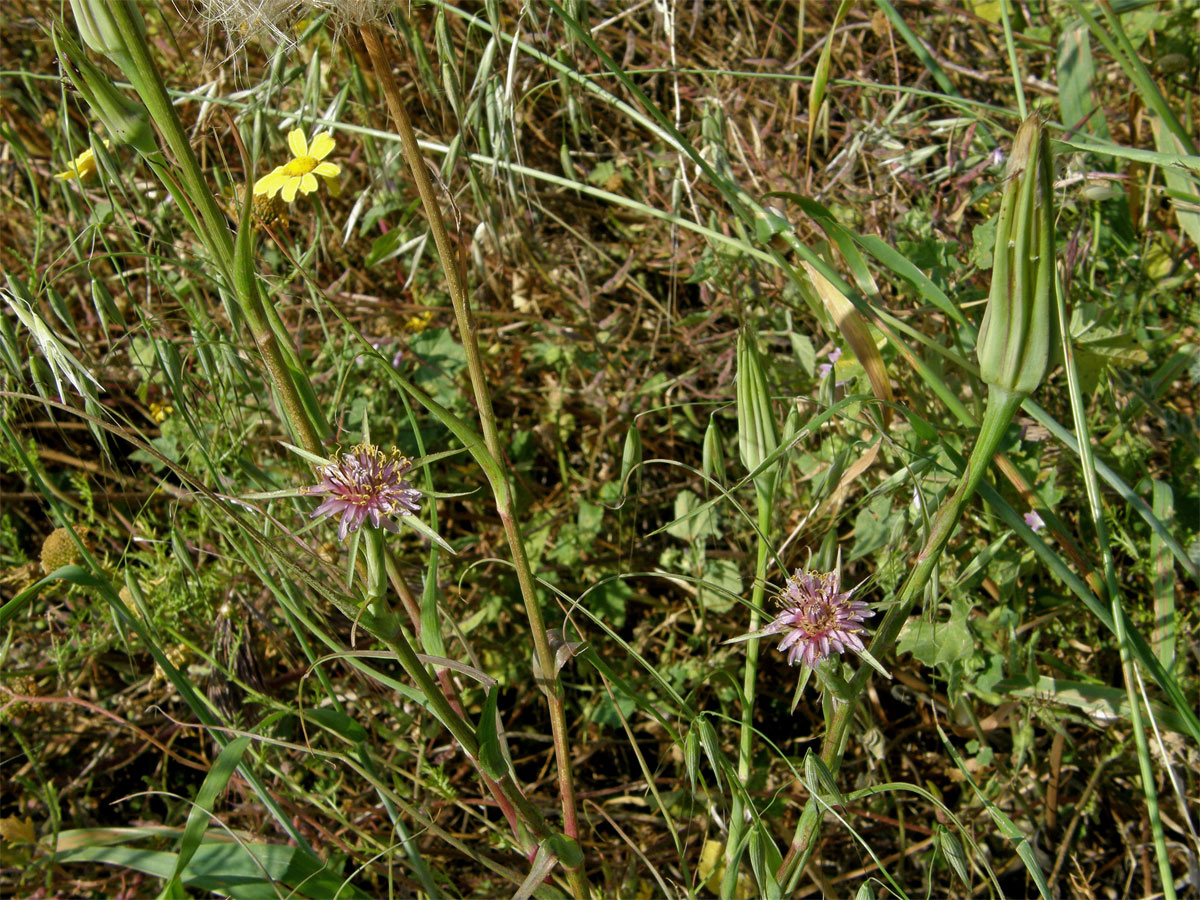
713,457
1016,337
758,435
631,458
125,120
100,32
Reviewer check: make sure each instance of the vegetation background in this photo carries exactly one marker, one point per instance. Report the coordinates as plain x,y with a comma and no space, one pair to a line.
610,274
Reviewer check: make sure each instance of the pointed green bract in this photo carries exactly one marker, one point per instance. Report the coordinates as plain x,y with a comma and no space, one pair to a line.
125,120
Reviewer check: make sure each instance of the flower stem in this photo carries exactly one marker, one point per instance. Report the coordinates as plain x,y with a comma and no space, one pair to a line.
1000,409
496,475
737,816
1087,468
459,727
211,225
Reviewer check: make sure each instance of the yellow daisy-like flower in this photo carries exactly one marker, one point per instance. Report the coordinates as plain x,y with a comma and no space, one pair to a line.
81,167
301,173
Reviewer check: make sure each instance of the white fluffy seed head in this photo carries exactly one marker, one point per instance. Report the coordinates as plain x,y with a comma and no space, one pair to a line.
245,20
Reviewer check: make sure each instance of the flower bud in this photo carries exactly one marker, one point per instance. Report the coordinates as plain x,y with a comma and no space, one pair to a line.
713,455
126,121
758,435
99,30
631,459
1018,329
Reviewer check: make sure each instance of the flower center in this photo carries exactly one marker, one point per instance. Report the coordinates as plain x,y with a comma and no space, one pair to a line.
819,617
301,165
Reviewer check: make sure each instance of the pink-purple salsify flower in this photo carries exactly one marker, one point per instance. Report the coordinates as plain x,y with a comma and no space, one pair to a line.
818,618
366,484
825,368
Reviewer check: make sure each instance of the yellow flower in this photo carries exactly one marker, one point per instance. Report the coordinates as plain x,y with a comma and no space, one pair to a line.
301,173
81,167
418,323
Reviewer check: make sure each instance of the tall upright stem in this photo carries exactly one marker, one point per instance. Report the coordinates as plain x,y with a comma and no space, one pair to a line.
213,230
497,475
737,813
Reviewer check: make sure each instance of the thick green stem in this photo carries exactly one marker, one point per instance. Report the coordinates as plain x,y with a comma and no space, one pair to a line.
1002,405
213,230
737,813
491,435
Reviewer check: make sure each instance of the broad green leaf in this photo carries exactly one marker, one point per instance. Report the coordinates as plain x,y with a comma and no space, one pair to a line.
935,643
694,519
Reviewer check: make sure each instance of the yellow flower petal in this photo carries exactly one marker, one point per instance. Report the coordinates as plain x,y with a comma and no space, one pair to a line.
296,143
321,145
270,183
333,186
289,189
82,166
327,170
308,182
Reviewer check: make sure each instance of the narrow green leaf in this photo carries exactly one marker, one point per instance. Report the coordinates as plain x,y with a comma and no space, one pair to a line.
816,95
1005,824
419,526
338,722
193,833
566,849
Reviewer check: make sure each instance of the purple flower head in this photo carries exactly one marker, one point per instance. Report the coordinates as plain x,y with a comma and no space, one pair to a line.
834,355
366,483
819,618
1034,521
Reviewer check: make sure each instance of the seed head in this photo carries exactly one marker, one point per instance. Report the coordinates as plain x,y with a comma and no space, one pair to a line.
59,549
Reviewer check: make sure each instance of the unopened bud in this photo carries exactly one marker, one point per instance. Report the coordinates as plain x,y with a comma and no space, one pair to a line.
99,30
758,434
1018,327
126,121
